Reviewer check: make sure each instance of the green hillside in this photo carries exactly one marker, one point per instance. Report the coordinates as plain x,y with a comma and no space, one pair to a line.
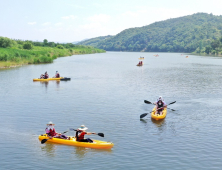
184,34
94,41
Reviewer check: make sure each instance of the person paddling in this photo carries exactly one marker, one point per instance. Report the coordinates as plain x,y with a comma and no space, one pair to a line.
81,132
57,75
46,75
160,105
51,133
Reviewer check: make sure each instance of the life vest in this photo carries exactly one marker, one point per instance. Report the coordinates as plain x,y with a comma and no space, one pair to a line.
57,75
46,76
160,104
80,136
51,132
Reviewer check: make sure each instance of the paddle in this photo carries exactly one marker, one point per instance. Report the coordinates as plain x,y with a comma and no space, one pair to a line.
148,102
144,114
99,134
44,140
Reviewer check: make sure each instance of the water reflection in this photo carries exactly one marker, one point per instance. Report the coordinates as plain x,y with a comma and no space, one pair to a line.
158,123
46,83
80,152
49,149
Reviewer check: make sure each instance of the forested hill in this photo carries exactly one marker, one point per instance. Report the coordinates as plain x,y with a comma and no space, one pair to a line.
94,41
184,34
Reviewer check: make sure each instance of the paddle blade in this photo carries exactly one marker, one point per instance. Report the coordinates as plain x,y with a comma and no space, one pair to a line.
100,134
72,129
172,103
44,141
147,102
143,115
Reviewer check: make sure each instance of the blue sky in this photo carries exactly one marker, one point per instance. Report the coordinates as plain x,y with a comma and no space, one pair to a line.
75,20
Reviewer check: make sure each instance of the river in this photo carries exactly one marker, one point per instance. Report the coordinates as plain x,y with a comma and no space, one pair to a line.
106,94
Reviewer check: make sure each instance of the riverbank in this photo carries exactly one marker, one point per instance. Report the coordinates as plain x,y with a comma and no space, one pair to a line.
12,57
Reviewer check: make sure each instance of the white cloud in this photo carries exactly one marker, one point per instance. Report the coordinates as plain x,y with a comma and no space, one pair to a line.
69,17
46,23
31,23
58,24
99,18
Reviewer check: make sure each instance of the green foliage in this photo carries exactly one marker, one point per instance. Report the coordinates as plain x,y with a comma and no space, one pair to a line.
45,42
60,47
27,46
39,53
185,34
6,42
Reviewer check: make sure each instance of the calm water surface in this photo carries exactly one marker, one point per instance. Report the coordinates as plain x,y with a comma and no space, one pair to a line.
106,94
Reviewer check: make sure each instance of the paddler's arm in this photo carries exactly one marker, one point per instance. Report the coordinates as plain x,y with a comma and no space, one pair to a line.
89,133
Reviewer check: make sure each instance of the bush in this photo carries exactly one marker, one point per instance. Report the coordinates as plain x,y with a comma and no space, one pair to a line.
60,47
28,46
6,42
45,59
4,57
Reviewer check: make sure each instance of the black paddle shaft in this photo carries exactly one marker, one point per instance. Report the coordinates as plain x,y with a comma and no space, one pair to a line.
99,134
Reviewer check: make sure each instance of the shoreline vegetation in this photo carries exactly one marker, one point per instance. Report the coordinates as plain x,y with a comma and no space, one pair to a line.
15,53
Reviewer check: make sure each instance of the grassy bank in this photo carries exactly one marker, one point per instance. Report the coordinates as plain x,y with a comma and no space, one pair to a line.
11,57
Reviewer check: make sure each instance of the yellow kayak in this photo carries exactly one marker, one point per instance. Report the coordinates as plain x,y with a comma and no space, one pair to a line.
139,65
38,79
48,79
97,144
157,116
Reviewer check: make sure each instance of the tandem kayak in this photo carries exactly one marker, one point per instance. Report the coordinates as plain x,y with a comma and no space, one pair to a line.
139,65
48,79
158,117
97,144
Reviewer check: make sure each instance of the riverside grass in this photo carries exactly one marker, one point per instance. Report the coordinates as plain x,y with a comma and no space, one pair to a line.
12,57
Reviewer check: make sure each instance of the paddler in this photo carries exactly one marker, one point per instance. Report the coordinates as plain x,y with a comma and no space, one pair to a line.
81,132
51,133
57,74
46,75
160,105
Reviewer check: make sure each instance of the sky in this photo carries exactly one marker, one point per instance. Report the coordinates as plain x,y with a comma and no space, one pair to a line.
77,20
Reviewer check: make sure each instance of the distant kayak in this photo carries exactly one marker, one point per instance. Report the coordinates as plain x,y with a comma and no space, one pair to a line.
141,58
139,65
97,144
49,79
156,116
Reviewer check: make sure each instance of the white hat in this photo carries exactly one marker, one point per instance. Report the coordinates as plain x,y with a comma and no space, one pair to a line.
82,128
160,98
50,123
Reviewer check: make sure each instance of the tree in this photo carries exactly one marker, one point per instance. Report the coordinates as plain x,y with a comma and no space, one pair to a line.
215,44
60,47
6,42
28,46
208,49
45,42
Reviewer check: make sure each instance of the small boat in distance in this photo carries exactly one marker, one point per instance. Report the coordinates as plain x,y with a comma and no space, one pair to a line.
141,58
140,63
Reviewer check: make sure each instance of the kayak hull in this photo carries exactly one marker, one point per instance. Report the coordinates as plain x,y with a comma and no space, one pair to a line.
139,65
48,79
156,116
97,144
